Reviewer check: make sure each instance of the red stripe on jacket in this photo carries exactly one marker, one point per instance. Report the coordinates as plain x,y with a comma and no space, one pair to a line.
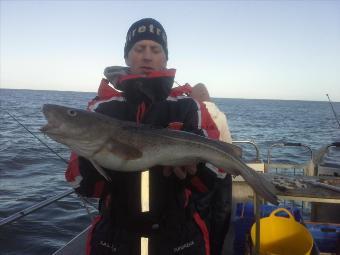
203,227
90,233
72,170
154,74
208,123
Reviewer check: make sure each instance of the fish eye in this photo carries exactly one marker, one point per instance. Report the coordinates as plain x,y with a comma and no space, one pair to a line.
72,113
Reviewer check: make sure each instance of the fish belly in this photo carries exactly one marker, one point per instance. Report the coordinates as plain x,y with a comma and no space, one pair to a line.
166,156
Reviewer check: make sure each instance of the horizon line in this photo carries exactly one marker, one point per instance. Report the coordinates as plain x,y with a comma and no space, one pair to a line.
309,100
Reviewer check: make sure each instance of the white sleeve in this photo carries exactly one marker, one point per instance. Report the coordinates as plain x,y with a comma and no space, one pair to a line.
225,135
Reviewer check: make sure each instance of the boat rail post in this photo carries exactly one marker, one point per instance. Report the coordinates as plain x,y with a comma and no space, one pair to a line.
257,203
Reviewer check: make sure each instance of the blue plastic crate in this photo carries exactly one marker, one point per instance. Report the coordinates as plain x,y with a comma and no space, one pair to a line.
325,235
241,231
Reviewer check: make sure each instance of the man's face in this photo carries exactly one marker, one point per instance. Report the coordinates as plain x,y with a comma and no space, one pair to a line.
146,56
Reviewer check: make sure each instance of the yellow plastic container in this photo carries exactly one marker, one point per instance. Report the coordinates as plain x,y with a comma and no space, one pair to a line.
282,236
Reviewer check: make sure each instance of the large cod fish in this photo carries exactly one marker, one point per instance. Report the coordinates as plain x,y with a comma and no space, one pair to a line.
127,146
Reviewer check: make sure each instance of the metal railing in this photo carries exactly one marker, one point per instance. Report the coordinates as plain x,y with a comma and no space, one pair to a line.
257,157
306,168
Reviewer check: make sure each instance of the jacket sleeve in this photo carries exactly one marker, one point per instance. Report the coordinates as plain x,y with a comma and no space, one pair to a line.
200,122
84,178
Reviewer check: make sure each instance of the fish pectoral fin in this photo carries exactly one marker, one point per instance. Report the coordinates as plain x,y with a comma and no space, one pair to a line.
100,170
123,150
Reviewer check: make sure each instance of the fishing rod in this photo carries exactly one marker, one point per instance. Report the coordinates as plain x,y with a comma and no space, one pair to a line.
336,117
53,151
177,83
48,201
33,208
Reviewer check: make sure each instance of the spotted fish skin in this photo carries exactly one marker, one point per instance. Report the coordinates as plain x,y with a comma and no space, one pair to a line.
125,146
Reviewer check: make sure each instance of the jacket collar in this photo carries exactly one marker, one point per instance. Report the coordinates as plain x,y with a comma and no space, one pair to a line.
157,85
151,88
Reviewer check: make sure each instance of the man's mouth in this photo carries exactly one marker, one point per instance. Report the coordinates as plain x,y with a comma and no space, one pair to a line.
146,69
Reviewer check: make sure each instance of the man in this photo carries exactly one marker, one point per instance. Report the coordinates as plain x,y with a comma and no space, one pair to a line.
201,94
221,201
167,207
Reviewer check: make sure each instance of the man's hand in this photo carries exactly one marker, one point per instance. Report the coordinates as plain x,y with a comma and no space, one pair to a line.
180,171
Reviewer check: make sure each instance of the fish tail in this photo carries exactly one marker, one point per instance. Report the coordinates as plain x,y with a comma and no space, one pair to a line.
262,186
255,180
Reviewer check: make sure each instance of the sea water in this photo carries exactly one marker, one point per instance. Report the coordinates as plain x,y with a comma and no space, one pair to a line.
31,173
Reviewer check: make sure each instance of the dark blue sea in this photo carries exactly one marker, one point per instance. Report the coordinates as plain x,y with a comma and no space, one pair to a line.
31,173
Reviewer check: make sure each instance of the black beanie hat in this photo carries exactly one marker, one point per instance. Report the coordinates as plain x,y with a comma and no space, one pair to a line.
146,29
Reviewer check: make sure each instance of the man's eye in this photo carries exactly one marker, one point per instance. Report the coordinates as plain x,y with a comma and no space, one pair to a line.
138,49
156,51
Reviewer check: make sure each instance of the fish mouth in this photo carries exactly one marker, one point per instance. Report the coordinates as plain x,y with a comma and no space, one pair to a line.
52,126
49,128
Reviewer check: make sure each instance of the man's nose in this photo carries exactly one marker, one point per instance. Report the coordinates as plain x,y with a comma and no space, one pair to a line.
147,54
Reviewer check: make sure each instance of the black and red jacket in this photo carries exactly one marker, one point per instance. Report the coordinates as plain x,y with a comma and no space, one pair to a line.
149,100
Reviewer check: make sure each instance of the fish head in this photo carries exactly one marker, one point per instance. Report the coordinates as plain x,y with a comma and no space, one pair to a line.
81,130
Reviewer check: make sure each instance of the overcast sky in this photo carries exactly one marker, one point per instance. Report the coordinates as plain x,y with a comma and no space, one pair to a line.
239,49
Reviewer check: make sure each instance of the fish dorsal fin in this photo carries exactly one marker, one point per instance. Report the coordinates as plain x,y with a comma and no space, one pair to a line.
123,150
